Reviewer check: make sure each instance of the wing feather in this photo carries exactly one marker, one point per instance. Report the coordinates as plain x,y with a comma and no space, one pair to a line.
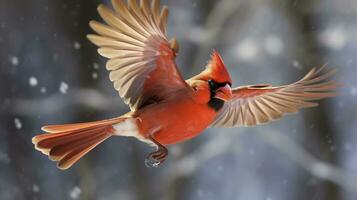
141,61
128,18
115,21
258,104
155,10
116,53
110,42
163,19
118,63
107,31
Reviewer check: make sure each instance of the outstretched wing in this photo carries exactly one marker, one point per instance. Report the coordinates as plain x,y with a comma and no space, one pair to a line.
257,104
141,59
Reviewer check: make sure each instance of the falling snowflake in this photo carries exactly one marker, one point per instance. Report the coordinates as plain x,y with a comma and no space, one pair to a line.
43,90
35,188
77,45
247,49
14,60
63,87
273,45
4,158
96,66
334,38
296,64
95,75
76,191
17,123
33,81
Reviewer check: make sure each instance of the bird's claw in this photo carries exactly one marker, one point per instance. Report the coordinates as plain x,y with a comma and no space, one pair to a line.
149,162
155,159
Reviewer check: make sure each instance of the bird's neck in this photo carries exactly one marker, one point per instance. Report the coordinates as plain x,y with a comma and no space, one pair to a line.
216,104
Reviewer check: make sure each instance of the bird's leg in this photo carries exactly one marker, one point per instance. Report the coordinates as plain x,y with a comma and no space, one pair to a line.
156,158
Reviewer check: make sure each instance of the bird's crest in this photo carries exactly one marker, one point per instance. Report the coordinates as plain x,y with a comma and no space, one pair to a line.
216,69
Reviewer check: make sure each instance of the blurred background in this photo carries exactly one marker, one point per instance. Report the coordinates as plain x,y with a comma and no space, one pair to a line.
51,74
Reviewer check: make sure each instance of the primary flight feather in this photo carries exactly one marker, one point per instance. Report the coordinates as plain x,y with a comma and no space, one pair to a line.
165,108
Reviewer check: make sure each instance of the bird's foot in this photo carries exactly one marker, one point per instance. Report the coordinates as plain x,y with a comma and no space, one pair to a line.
156,158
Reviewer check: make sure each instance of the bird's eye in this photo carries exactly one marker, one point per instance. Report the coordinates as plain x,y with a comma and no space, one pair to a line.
211,83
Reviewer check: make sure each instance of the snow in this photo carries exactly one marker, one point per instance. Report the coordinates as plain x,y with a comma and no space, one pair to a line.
33,81
334,38
17,123
4,158
95,65
77,45
14,60
247,50
35,188
43,90
63,87
296,64
95,75
273,45
75,192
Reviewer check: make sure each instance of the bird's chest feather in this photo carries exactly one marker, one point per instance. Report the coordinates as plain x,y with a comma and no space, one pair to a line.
175,121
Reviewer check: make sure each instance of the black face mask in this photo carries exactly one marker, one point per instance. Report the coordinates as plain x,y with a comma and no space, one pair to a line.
214,86
215,103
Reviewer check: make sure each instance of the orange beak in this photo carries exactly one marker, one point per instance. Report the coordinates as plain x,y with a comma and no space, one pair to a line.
224,93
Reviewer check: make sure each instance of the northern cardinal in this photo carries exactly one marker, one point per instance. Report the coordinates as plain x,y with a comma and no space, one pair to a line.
165,108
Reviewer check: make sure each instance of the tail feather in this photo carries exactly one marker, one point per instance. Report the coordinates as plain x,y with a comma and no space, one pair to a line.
68,160
55,139
66,144
72,157
72,127
65,148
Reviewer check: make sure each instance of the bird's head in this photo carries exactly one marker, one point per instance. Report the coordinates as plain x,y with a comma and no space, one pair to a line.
214,83
217,77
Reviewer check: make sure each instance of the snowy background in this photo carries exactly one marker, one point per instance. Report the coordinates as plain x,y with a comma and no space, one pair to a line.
51,74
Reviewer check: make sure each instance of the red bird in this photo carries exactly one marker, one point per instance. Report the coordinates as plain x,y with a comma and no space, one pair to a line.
166,109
